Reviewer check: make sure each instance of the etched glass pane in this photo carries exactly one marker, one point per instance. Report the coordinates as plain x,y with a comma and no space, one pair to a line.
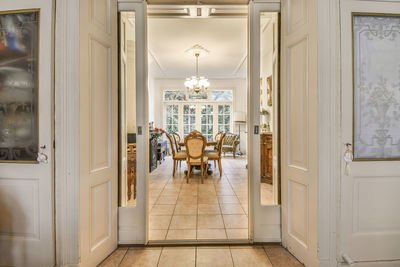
172,119
19,50
189,119
174,95
221,95
195,96
376,43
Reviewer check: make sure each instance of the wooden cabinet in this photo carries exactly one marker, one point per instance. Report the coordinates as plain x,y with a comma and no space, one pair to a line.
266,158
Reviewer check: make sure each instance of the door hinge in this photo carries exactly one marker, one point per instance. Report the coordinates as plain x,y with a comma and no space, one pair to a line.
54,144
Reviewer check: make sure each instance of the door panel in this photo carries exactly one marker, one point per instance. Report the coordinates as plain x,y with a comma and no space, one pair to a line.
299,129
98,130
369,199
26,186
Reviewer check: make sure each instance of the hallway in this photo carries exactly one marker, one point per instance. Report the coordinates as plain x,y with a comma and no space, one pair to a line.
267,255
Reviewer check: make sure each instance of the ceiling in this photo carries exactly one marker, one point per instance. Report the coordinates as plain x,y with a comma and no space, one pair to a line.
224,38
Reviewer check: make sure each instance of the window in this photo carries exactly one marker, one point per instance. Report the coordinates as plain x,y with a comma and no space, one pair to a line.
189,119
224,118
174,95
207,127
221,95
208,112
172,117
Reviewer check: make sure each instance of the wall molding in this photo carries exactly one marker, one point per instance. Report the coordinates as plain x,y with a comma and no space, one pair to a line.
329,146
67,132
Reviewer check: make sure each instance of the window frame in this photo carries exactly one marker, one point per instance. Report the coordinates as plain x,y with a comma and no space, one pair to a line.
198,103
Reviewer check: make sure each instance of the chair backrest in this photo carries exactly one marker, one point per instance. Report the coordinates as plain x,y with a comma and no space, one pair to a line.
171,142
230,139
219,143
195,144
218,136
177,139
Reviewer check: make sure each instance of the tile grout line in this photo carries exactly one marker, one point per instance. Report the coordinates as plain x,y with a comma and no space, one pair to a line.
159,256
119,264
230,251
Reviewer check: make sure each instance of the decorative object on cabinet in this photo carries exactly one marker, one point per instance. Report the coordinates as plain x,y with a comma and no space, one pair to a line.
269,91
19,86
266,158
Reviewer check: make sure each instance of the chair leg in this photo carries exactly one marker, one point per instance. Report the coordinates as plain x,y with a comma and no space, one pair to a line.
220,167
234,154
188,173
173,172
215,165
202,173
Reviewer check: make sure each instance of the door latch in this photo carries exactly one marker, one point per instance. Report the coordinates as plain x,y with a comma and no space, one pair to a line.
256,129
139,130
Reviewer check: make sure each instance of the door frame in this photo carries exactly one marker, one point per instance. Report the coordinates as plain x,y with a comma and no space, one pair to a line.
67,127
265,221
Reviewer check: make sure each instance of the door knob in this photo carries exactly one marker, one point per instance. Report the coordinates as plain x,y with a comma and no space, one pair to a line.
42,157
348,157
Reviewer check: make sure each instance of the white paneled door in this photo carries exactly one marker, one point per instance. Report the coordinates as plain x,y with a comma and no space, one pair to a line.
26,188
98,130
299,131
370,47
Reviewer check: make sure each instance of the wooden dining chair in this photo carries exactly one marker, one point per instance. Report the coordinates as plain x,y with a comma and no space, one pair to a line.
177,139
215,155
195,144
177,156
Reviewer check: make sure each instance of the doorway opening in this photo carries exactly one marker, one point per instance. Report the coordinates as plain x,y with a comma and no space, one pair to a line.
198,82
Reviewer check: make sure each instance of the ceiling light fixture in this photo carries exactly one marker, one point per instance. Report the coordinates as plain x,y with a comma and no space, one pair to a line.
195,83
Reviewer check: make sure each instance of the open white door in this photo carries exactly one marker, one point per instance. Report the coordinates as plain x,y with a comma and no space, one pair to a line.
98,130
132,219
26,116
370,56
265,221
299,132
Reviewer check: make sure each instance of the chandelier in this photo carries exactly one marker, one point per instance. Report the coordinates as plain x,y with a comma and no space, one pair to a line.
195,83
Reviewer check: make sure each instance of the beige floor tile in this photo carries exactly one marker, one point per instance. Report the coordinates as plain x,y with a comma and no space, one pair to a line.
167,200
176,257
280,257
157,234
181,234
208,200
182,199
185,209
141,258
235,221
232,209
180,222
211,234
159,222
237,233
251,256
228,200
216,257
225,192
210,222
208,209
115,258
162,210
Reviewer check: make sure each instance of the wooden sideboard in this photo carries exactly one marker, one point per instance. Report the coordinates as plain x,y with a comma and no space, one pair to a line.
266,158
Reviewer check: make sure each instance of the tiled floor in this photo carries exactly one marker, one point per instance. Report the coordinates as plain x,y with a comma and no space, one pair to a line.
216,209
187,256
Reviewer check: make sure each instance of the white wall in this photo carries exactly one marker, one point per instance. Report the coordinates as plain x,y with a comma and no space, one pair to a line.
156,85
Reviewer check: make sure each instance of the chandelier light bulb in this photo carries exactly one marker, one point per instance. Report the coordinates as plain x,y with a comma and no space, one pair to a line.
195,83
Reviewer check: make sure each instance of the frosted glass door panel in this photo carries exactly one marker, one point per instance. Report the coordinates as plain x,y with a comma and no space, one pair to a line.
376,73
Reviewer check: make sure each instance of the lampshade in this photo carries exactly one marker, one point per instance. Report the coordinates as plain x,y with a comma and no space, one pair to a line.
239,117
